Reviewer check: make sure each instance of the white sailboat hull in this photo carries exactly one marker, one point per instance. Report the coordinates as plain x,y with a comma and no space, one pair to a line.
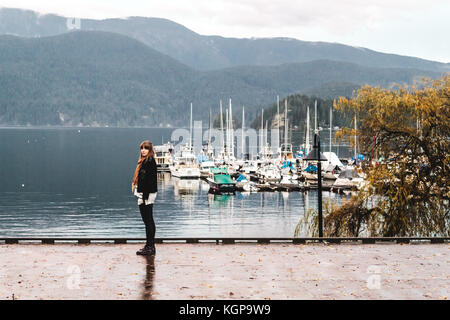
185,173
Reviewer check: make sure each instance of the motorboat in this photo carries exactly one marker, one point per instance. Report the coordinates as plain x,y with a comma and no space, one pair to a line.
249,167
310,173
349,178
163,156
184,165
268,173
220,181
205,168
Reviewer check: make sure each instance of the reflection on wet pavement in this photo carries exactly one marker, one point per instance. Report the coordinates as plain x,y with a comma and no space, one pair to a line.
238,271
147,292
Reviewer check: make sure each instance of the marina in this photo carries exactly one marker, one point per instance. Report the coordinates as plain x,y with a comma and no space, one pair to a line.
271,169
206,192
39,202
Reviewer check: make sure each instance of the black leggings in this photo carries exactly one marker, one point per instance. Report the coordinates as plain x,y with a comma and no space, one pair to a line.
147,217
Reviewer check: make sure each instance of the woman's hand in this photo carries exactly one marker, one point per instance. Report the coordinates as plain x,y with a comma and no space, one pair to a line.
133,186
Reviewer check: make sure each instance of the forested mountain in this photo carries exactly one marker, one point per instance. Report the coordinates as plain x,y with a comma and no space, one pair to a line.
99,78
209,52
90,79
333,89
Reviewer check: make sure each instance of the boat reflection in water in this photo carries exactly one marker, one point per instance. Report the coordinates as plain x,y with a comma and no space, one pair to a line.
185,186
219,200
164,179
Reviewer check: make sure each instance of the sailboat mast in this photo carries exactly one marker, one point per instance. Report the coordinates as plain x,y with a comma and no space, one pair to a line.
190,130
285,123
265,137
209,131
221,126
243,140
331,125
278,120
315,117
290,135
262,130
307,130
287,128
355,136
227,144
231,132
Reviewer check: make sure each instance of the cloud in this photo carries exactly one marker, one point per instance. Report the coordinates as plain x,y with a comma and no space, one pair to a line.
329,14
348,21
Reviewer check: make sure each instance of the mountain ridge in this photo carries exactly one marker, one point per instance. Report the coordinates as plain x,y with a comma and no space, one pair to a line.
210,52
96,78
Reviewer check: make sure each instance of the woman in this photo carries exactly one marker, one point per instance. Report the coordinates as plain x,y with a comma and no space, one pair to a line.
144,186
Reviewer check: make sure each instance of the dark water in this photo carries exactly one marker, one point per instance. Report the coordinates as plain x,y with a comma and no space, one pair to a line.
76,182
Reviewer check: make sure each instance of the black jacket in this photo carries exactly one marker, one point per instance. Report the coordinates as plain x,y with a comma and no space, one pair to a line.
147,178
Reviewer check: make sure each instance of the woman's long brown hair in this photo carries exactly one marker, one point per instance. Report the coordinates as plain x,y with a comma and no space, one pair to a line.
151,154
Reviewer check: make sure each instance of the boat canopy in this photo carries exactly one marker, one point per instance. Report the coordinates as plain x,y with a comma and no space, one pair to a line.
220,170
287,164
311,168
223,179
241,178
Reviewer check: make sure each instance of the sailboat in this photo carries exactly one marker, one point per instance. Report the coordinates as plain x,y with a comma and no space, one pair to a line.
184,166
268,172
206,158
286,147
306,146
287,168
310,172
248,166
265,153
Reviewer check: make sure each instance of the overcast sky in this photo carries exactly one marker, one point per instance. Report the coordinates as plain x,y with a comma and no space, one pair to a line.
419,28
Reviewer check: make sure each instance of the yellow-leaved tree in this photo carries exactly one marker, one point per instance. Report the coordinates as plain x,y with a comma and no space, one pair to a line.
405,135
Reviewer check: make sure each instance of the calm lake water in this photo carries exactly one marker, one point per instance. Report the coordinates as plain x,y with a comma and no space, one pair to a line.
76,182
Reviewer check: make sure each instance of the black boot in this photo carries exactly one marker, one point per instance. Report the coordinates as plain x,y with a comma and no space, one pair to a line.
147,250
152,250
144,251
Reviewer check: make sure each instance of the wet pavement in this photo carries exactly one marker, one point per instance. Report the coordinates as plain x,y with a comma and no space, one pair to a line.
234,271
